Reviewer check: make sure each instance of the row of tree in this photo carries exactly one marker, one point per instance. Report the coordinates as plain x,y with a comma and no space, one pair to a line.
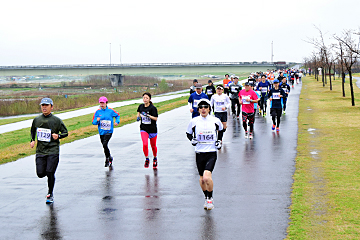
340,56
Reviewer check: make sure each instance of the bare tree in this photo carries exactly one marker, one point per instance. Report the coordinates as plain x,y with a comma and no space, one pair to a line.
351,54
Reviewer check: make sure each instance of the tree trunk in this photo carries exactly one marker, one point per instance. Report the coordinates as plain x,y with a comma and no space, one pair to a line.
330,78
322,76
351,89
343,82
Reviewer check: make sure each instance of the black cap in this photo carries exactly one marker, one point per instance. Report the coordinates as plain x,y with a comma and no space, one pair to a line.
195,80
209,81
247,84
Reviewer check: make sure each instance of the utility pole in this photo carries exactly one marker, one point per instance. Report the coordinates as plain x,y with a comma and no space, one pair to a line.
272,52
110,53
120,54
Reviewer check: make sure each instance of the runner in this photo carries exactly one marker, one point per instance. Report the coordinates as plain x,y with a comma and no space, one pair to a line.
247,98
258,93
220,103
204,127
286,88
48,129
276,104
264,87
192,88
194,99
235,88
292,78
104,118
148,115
210,89
225,84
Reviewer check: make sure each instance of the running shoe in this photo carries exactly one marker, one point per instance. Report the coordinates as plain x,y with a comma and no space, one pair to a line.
237,117
210,204
205,204
106,162
250,135
273,127
110,161
277,129
155,163
147,162
49,198
284,112
246,134
234,116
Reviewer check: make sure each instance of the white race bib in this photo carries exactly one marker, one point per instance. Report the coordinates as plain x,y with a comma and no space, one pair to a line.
276,95
44,135
220,103
209,91
145,120
234,89
195,104
206,137
264,89
105,124
244,99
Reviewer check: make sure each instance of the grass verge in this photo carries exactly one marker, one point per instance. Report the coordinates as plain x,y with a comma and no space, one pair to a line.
15,145
325,197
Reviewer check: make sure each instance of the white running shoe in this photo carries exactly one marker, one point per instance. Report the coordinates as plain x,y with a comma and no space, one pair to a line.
205,204
250,135
210,204
246,134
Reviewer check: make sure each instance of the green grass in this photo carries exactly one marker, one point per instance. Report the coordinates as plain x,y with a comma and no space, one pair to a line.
326,196
15,145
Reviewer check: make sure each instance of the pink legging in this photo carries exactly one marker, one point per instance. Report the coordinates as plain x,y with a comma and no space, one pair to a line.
144,138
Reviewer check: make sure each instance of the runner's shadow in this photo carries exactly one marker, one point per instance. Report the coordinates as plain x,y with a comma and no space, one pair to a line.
152,202
50,228
208,230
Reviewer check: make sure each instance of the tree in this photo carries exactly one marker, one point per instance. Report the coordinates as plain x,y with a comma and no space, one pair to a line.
351,54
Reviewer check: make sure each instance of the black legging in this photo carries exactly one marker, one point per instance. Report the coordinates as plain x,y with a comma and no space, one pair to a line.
105,140
263,104
248,117
234,102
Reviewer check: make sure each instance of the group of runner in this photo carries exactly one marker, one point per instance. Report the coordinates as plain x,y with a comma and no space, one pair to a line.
47,129
204,130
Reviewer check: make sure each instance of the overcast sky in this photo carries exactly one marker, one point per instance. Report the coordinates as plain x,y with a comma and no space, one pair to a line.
34,32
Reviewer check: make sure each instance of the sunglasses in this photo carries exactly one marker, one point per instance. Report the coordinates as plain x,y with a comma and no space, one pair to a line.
203,106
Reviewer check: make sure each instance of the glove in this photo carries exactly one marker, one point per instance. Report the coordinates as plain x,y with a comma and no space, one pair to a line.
138,119
144,114
218,144
194,141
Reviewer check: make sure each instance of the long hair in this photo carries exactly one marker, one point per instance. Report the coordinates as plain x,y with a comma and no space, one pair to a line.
149,95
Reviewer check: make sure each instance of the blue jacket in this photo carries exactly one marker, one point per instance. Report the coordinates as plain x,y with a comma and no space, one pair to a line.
194,99
106,123
264,85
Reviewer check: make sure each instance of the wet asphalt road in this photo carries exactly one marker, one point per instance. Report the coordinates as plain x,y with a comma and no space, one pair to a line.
252,186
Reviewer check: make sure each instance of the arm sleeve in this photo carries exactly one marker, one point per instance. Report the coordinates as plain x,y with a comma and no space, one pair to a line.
154,112
94,120
116,115
63,130
33,131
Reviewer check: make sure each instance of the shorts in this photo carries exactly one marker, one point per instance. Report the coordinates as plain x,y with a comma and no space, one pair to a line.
222,116
205,161
275,112
46,163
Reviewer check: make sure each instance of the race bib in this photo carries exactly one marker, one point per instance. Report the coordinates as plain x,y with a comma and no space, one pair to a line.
145,120
44,135
276,95
234,89
244,99
206,137
105,124
209,91
264,89
220,103
195,104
